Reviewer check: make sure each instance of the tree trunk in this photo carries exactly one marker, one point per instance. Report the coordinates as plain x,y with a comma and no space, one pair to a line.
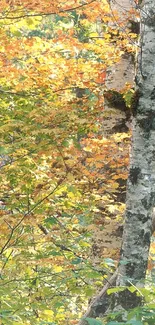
140,188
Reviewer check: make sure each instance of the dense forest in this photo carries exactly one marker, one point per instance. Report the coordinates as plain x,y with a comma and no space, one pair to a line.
77,162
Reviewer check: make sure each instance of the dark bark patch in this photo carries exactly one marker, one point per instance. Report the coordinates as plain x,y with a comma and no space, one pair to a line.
134,174
150,19
115,99
80,92
135,101
141,233
147,237
130,269
143,218
134,26
145,203
101,307
129,299
120,127
152,198
147,123
119,231
153,94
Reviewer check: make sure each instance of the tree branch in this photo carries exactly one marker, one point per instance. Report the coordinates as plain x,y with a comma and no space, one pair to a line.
99,298
48,13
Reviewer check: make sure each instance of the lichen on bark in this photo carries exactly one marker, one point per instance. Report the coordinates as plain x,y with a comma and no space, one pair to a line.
141,180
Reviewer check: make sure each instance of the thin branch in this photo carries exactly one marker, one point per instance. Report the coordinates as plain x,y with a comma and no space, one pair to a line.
28,212
21,94
62,247
49,13
31,278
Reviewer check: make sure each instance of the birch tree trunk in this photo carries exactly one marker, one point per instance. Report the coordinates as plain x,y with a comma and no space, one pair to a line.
140,189
141,181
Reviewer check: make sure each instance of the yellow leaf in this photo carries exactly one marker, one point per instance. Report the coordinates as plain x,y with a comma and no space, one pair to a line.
93,34
48,312
57,268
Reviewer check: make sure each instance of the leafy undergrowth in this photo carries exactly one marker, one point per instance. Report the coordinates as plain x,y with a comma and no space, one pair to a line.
141,315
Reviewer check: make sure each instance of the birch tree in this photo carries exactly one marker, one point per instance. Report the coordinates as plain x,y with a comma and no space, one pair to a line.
140,186
140,190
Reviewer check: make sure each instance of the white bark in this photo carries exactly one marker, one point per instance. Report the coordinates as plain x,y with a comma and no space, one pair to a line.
141,180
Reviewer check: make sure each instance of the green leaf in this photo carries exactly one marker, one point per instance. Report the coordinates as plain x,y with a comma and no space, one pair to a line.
128,97
17,33
5,312
46,323
89,292
3,150
132,289
124,262
134,322
109,261
65,143
115,323
92,321
72,189
92,275
76,261
114,290
55,253
51,220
